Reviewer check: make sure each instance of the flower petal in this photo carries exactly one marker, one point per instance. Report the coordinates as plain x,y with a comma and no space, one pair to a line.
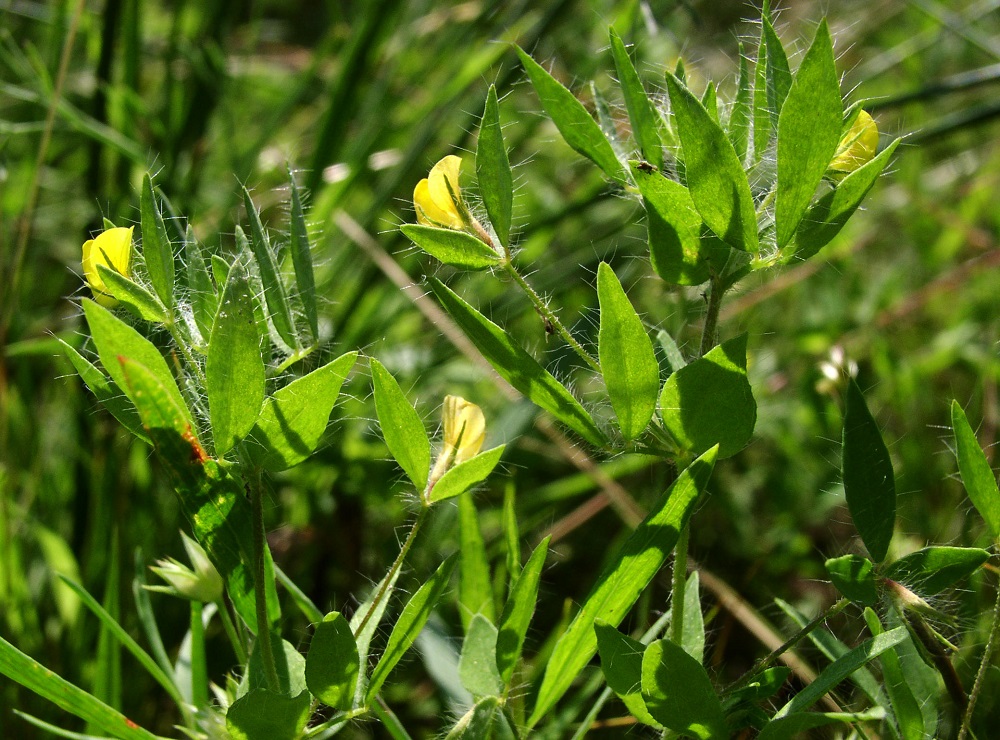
445,191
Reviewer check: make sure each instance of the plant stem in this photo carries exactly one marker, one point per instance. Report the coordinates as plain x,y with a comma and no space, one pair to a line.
977,687
260,590
709,331
227,624
549,315
770,659
199,672
678,587
396,565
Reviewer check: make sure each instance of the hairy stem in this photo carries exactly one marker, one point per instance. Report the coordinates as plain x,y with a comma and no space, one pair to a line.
977,687
260,590
550,317
396,565
679,586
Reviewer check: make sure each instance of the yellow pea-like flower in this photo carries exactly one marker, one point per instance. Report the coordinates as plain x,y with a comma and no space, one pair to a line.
857,147
464,434
113,249
437,198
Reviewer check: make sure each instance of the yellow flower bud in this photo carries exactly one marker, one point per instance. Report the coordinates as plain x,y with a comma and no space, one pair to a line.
857,147
113,249
437,198
464,433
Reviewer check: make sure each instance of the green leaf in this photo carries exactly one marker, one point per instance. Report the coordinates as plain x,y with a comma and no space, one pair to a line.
465,475
841,669
869,481
977,475
411,621
477,723
516,616
854,577
794,725
517,367
202,294
808,134
402,428
37,678
777,72
133,296
628,572
511,534
827,216
761,115
156,248
477,666
265,715
630,370
475,589
278,309
365,623
221,268
496,184
212,499
293,420
235,373
302,259
678,692
905,707
621,663
573,121
674,227
693,632
455,248
115,339
933,569
738,128
332,663
709,401
715,176
644,119
289,664
107,392
764,685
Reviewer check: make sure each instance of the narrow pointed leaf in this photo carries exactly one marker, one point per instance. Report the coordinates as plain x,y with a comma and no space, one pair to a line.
332,663
738,127
156,248
516,616
107,392
235,372
203,296
645,120
933,569
761,115
795,725
115,339
411,621
139,301
402,428
808,133
293,420
630,370
709,401
496,184
465,475
828,214
715,176
693,633
37,678
869,481
278,308
628,572
977,475
575,124
302,259
777,72
475,587
517,367
450,247
621,663
477,666
678,692
841,669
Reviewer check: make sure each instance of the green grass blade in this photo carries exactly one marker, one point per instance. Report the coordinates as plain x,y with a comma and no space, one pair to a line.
475,587
147,617
517,612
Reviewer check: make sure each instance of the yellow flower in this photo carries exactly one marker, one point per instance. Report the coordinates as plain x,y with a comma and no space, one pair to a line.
113,249
437,198
857,147
464,433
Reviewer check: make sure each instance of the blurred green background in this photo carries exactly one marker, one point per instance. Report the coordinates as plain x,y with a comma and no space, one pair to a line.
362,98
